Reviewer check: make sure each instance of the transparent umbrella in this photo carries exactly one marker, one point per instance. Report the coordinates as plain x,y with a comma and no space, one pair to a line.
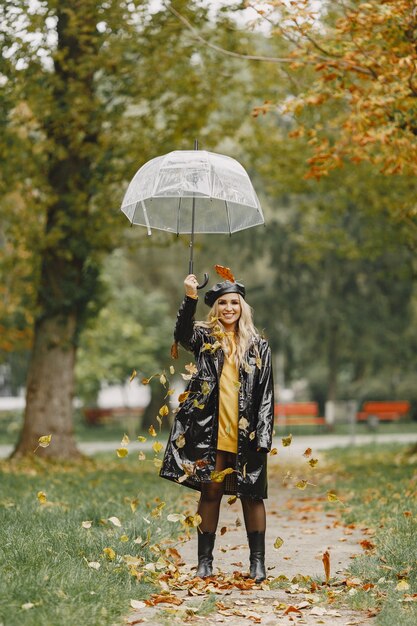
192,191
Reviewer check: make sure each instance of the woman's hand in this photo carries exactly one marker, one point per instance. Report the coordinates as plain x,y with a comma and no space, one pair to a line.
190,284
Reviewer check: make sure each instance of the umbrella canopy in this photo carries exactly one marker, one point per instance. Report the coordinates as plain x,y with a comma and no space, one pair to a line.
189,191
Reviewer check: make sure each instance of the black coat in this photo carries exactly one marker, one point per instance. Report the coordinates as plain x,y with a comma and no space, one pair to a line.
191,449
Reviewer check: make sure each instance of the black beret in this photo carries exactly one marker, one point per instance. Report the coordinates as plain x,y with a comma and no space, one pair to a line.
221,288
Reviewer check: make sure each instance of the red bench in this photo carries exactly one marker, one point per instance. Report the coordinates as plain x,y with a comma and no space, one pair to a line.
383,411
298,414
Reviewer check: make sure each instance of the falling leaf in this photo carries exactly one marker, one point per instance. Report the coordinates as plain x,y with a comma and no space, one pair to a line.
171,370
164,410
332,497
243,423
44,441
159,420
157,447
186,376
122,452
152,431
286,441
313,462
162,379
225,273
273,452
125,441
183,396
278,543
180,441
326,564
231,500
218,477
301,484
137,604
191,368
205,388
86,524
175,517
141,438
94,565
193,520
307,453
133,375
115,521
141,456
134,504
157,463
41,495
223,530
402,585
110,553
252,435
145,381
174,350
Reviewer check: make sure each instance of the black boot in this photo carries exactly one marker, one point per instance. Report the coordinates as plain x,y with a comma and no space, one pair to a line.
257,556
205,554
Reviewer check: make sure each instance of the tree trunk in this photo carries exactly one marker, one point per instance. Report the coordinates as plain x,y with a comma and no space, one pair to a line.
50,391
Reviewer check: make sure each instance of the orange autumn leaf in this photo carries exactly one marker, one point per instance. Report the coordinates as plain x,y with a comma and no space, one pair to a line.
159,598
174,350
225,273
307,453
326,564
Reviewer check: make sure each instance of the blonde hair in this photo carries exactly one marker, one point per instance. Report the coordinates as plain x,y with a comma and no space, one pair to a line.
245,331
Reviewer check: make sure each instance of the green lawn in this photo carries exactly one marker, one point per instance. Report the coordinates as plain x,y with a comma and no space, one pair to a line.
45,551
379,488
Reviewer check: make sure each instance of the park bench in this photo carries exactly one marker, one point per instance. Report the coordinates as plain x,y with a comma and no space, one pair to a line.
298,414
95,416
383,411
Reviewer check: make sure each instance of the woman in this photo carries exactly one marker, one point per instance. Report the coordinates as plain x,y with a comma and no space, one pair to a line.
225,419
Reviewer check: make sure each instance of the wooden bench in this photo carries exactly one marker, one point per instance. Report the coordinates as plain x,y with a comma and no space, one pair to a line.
383,411
298,414
96,416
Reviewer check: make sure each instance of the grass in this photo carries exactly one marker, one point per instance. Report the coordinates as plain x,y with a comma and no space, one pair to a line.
379,487
45,551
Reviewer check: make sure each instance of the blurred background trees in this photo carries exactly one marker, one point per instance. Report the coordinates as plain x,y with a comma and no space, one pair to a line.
91,91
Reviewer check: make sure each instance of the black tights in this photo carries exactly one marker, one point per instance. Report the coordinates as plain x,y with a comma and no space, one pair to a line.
211,495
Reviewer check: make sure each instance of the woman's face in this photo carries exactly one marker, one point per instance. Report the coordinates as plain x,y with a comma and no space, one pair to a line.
229,310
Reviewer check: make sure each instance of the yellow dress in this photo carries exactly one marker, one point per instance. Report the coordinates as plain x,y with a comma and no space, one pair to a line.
228,401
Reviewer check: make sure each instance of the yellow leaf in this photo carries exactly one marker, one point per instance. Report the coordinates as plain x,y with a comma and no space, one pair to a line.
193,520
218,477
141,438
152,431
278,543
141,456
313,462
157,447
302,484
231,500
206,346
171,370
252,435
162,379
133,375
197,405
115,521
273,452
191,368
205,388
236,385
183,396
180,441
286,441
110,553
41,495
122,452
164,410
44,441
402,585
243,423
157,463
332,497
125,440
170,392
258,362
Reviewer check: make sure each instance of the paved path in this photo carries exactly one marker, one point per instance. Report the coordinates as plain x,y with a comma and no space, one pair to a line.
308,528
299,444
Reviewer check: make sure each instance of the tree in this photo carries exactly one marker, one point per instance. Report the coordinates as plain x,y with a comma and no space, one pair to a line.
91,91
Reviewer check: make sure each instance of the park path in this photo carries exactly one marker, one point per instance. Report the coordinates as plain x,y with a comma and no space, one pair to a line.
308,529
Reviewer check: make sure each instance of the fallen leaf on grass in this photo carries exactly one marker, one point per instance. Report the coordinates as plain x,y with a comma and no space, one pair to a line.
86,524
402,585
291,609
109,553
115,521
41,495
94,565
137,604
27,606
159,598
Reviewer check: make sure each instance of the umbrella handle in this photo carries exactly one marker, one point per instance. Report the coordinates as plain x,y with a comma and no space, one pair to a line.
205,281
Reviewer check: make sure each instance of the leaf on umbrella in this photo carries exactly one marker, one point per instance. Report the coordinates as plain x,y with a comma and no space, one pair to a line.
218,477
278,543
152,431
164,410
326,564
307,453
43,442
133,375
225,273
146,381
206,346
174,350
286,441
115,521
122,452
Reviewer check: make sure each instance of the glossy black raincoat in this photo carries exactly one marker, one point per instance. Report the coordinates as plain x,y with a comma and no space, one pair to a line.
191,449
